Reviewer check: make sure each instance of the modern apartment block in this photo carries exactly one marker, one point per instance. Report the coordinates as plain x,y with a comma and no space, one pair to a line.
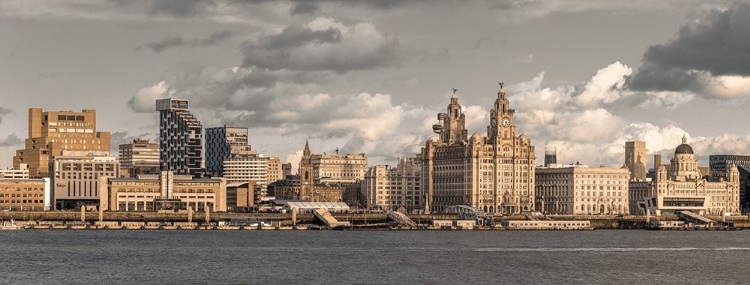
246,168
389,188
52,132
581,190
139,157
180,138
223,143
75,179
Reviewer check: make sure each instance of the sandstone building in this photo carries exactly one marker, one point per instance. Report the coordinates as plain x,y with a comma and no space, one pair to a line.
52,132
389,188
581,190
494,173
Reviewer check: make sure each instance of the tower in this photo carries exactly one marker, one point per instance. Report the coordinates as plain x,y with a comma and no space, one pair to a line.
635,160
550,156
180,138
452,125
306,180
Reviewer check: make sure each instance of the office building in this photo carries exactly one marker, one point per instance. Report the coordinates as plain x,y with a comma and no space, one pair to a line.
52,132
550,156
25,194
493,173
139,157
22,172
166,191
180,138
719,166
683,188
75,179
275,170
581,190
389,188
223,143
635,160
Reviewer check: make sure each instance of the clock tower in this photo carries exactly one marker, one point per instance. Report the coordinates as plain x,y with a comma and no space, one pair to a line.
501,118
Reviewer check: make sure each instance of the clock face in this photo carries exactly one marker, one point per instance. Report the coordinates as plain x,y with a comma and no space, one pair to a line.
493,122
506,122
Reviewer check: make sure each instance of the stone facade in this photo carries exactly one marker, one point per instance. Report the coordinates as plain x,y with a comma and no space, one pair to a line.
139,157
387,188
635,160
719,166
580,190
683,188
25,194
22,172
52,132
494,173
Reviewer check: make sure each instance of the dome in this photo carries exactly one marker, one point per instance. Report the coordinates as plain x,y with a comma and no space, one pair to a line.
476,137
684,147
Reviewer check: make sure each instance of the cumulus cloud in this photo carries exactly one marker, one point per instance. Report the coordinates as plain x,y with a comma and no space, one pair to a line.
710,56
11,141
144,101
178,41
118,138
323,45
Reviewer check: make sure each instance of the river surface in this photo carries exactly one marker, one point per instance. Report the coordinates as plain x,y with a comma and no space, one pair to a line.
374,257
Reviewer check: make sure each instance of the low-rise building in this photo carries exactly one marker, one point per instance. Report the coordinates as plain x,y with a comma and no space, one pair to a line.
241,196
581,190
25,194
389,188
22,172
165,191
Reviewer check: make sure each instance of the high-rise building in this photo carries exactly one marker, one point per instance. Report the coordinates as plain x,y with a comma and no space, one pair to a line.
683,188
494,173
222,143
139,157
52,132
719,166
550,156
581,190
387,188
246,168
635,160
180,138
75,182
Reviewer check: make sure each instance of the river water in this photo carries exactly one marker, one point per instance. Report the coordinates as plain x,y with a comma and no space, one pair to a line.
373,257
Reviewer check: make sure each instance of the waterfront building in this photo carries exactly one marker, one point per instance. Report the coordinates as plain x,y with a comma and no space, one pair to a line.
165,191
223,143
389,188
719,166
139,157
180,138
290,189
635,160
75,179
23,194
683,188
582,190
22,172
638,191
246,168
494,173
52,132
240,196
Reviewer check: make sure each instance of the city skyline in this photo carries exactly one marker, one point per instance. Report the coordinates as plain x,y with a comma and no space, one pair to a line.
354,76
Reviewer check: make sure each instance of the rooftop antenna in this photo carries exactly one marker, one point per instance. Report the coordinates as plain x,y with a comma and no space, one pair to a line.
501,84
454,91
337,151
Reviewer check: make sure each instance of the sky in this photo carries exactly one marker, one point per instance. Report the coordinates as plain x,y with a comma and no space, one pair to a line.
370,76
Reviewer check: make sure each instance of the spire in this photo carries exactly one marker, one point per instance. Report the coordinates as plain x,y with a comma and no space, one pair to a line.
684,139
307,148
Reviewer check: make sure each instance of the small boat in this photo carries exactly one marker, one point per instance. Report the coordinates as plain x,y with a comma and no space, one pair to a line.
10,226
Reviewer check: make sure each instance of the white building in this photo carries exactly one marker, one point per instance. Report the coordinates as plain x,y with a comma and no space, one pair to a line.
390,188
581,190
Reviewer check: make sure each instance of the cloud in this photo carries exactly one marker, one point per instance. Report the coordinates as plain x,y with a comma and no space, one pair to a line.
179,8
177,41
11,141
144,101
304,8
710,56
118,138
3,112
323,45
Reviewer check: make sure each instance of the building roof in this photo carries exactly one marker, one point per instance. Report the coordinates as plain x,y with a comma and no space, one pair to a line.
684,148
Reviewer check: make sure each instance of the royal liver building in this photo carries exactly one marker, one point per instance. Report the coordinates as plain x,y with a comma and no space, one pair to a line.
494,173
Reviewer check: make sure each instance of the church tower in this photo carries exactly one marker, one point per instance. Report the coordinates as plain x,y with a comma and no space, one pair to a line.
306,181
